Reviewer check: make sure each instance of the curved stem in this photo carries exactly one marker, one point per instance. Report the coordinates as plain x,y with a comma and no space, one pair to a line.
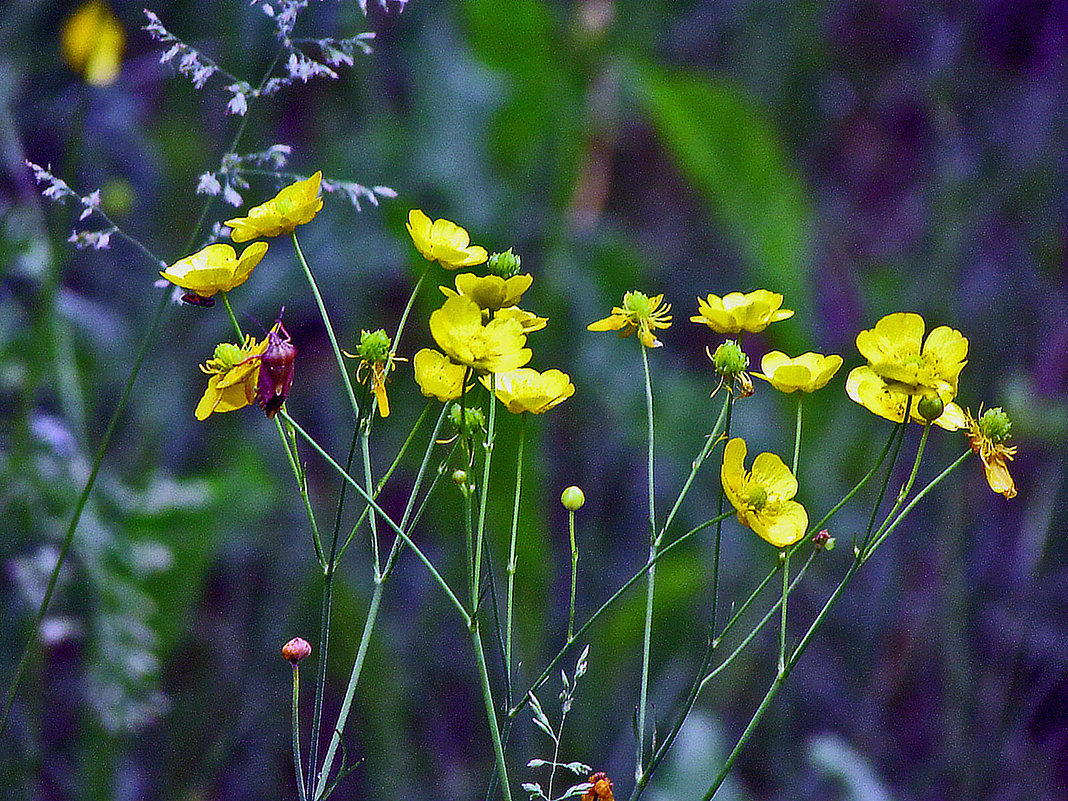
342,368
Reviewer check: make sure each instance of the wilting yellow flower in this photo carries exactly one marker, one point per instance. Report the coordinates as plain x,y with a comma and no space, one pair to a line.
807,372
93,41
234,372
987,437
735,312
528,321
764,496
494,347
491,292
640,313
438,376
444,242
295,205
527,390
375,354
215,268
902,365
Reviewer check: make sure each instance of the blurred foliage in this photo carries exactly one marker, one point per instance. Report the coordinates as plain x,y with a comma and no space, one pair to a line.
860,157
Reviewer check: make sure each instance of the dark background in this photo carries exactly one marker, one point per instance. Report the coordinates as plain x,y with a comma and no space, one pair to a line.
860,157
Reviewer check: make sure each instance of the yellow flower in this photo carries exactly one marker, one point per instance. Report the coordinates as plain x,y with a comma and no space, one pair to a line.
438,376
763,497
527,390
888,400
807,372
987,436
295,205
640,313
92,42
494,347
491,292
234,372
735,312
901,365
528,321
215,268
444,242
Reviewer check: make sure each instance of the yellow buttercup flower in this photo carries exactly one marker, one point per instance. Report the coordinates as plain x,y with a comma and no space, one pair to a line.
438,376
92,42
807,372
495,347
735,312
640,313
215,268
763,496
527,390
295,205
444,242
902,365
234,372
987,437
491,292
528,321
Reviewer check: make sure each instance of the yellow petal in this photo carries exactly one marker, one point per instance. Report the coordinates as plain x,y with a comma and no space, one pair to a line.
894,338
437,376
774,476
732,473
783,526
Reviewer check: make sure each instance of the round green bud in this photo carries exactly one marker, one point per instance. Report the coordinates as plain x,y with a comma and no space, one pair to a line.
930,407
572,498
467,420
504,264
459,477
995,425
729,359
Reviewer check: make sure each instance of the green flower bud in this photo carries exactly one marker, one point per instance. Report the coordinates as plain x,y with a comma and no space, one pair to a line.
930,407
374,346
995,425
468,421
729,359
572,498
504,264
459,477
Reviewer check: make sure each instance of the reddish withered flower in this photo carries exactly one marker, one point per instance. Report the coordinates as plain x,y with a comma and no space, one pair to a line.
296,649
276,370
601,788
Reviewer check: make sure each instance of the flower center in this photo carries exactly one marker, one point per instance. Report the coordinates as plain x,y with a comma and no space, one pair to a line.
756,496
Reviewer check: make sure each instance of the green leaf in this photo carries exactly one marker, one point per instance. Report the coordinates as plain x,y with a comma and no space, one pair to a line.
728,149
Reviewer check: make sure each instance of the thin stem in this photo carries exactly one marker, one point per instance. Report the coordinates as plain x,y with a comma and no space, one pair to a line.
785,555
365,448
233,318
297,767
491,711
385,517
643,694
329,327
797,434
719,526
606,606
901,495
484,488
901,427
574,574
511,551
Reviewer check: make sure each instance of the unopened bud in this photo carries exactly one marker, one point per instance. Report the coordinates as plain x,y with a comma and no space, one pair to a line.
930,407
296,650
822,540
459,477
572,498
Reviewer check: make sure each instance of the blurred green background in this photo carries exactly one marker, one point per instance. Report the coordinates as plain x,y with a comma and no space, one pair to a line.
861,157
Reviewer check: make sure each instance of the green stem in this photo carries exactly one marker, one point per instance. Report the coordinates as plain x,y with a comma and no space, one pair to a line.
484,488
874,539
329,327
233,319
385,518
574,573
297,767
643,694
302,487
719,526
785,555
900,430
606,606
491,711
797,434
511,551
365,448
710,442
